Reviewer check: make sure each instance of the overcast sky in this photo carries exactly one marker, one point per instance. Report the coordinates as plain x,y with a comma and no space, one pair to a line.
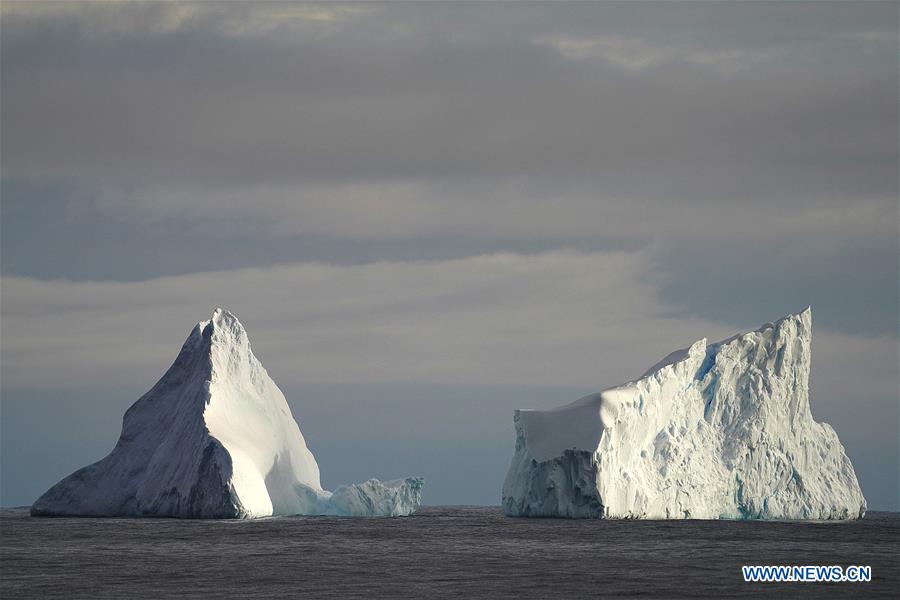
427,215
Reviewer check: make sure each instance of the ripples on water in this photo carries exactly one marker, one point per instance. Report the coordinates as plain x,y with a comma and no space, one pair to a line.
460,552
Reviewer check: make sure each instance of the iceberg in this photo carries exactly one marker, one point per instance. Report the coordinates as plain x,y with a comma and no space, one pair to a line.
215,438
714,431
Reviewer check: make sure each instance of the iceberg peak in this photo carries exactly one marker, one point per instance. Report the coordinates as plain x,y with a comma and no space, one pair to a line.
227,325
225,319
215,438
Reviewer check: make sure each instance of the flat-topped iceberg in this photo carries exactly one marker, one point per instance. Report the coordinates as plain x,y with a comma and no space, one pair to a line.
215,438
714,431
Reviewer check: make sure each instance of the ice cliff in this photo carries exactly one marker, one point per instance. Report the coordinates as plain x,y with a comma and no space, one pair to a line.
714,431
215,438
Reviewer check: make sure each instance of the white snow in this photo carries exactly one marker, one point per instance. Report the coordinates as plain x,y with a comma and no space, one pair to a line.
712,431
215,438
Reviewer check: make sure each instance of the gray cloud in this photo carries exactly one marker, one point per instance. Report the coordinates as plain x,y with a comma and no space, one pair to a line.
452,321
457,121
195,104
557,318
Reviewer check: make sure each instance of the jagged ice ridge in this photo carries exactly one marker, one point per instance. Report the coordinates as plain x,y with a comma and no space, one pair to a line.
713,431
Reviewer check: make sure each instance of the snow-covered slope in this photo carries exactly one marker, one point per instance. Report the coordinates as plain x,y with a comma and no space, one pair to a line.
215,438
713,431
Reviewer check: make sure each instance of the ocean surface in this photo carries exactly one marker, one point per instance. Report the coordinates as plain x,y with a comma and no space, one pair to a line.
441,552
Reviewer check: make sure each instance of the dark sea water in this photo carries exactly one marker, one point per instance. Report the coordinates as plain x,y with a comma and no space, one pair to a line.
455,552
